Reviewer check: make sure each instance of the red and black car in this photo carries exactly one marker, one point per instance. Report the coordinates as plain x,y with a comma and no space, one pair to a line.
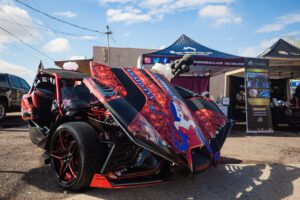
121,127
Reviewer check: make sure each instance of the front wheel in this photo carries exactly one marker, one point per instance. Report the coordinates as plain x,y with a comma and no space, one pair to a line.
2,110
75,155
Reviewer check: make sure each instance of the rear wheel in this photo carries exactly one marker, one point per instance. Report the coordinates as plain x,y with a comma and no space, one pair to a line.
2,110
75,155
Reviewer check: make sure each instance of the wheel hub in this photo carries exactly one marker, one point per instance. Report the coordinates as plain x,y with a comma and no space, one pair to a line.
63,155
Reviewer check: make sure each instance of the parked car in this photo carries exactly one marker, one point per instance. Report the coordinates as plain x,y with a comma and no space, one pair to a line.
12,88
121,128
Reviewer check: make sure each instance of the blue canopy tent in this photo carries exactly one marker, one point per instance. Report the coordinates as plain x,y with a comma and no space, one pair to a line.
205,59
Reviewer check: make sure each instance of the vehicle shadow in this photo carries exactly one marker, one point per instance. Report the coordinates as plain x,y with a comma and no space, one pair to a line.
230,181
261,181
34,176
229,160
13,120
40,178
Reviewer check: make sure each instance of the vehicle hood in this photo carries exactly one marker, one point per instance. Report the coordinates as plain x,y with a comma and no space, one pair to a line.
150,110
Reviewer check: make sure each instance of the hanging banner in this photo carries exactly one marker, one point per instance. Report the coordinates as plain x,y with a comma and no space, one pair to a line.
198,60
259,118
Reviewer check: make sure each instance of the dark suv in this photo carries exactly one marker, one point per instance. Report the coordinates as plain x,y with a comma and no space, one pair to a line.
12,89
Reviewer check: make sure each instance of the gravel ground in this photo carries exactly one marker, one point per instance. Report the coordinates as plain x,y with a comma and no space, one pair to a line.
253,167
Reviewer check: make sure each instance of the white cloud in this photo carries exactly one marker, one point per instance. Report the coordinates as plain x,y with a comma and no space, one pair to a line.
215,11
249,51
221,14
76,57
293,33
162,7
57,45
162,47
181,4
2,47
268,43
84,37
154,3
129,15
88,37
127,34
7,2
291,18
67,14
11,68
115,1
228,20
17,21
270,28
194,4
153,10
280,23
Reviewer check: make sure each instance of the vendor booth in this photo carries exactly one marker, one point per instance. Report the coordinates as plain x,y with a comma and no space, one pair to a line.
207,62
274,84
284,80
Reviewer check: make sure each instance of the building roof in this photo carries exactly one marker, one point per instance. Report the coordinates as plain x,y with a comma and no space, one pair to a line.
83,64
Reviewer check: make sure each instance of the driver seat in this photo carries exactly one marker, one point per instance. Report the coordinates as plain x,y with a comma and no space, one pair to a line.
42,99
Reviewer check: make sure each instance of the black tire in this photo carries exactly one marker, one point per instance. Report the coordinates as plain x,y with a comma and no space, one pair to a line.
3,109
88,153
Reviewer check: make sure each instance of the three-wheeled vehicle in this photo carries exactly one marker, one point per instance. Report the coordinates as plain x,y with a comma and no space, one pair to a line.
121,127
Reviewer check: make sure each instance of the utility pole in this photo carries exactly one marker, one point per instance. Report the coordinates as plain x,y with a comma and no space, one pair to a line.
108,32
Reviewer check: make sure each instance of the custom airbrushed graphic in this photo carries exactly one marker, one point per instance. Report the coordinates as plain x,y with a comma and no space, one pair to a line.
122,127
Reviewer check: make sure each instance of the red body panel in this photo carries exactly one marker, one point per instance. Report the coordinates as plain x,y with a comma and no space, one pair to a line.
164,119
104,75
209,121
100,181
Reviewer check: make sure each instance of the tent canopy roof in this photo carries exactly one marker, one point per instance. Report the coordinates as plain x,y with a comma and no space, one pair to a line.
282,49
185,45
205,59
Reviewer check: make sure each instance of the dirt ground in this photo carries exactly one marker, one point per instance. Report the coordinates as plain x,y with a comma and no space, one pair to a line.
253,167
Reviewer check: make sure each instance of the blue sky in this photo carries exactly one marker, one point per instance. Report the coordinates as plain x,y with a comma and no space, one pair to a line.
242,27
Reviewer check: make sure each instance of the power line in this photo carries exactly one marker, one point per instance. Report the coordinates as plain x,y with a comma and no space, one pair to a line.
113,38
25,30
30,46
59,20
45,28
38,7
